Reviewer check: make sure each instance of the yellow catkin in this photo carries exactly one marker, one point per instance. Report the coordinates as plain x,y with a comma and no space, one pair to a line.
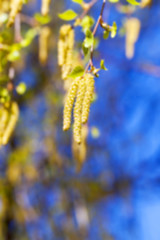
4,116
69,101
66,68
145,3
132,32
14,113
89,79
45,7
77,126
43,44
62,43
80,150
61,52
65,49
16,6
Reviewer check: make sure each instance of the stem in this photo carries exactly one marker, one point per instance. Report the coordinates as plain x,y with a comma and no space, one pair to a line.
90,64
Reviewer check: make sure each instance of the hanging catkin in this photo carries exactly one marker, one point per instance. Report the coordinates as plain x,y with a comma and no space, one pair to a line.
65,49
132,32
77,126
43,44
45,7
69,101
145,3
16,6
13,117
89,80
4,116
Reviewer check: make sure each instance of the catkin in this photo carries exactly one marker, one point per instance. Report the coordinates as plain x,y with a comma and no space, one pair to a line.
43,44
16,6
65,49
89,80
69,104
45,7
80,150
145,3
77,126
14,113
61,52
132,33
4,116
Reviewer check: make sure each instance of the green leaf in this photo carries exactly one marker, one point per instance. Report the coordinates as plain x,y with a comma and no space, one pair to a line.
106,34
78,1
113,1
114,30
42,19
102,65
78,71
68,15
85,49
87,23
133,2
21,88
89,39
13,56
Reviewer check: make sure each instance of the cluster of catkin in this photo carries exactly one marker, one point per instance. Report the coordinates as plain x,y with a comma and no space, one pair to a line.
9,113
81,89
65,50
81,92
132,27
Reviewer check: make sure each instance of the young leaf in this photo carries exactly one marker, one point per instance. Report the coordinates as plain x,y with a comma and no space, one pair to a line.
85,49
113,1
113,30
68,15
78,1
106,34
76,72
87,23
42,19
102,65
89,40
133,2
21,88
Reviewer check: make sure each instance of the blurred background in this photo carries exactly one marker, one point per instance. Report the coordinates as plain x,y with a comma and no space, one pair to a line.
116,193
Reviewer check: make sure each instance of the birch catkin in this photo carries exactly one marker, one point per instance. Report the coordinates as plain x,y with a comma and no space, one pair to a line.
77,126
13,117
69,104
16,6
89,80
43,44
132,32
45,7
65,49
4,116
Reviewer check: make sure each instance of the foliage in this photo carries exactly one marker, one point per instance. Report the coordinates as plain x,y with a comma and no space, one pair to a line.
18,33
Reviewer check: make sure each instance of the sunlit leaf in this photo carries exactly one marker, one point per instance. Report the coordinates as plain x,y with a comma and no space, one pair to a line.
78,71
21,88
87,23
42,19
102,65
78,1
68,15
133,2
114,30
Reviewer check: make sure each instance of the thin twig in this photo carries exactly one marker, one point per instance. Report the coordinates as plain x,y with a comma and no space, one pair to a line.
99,20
